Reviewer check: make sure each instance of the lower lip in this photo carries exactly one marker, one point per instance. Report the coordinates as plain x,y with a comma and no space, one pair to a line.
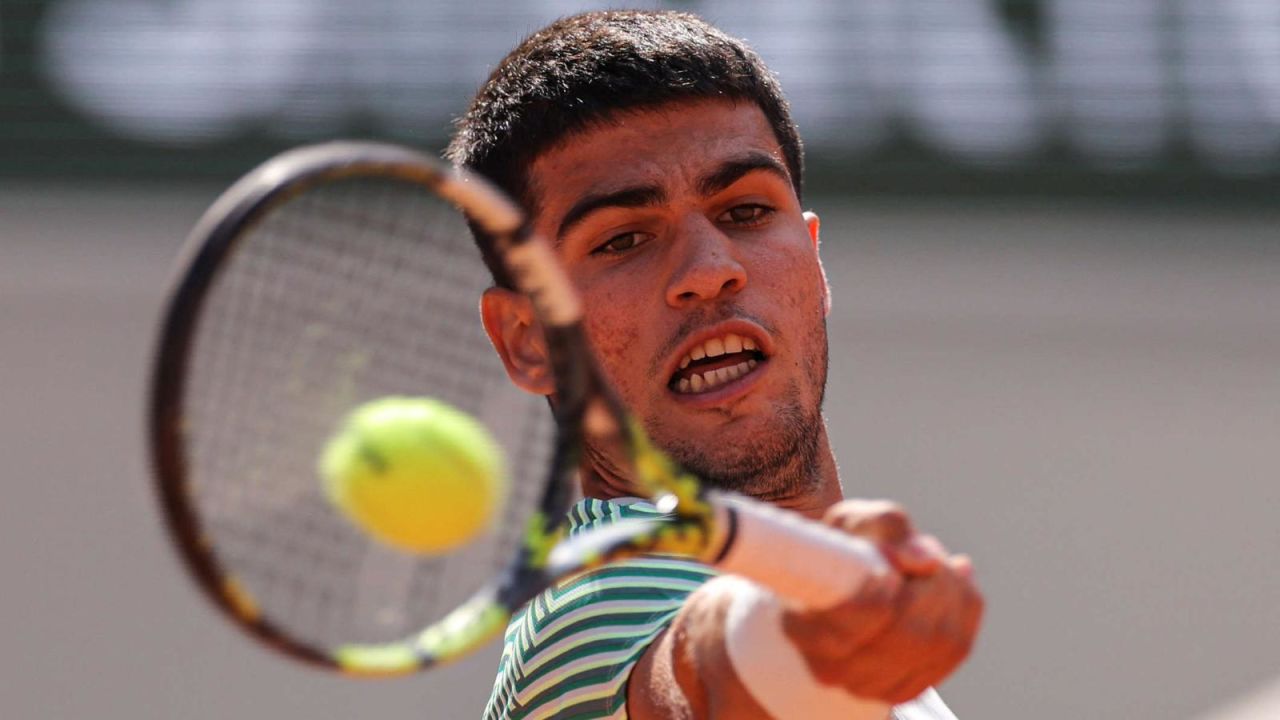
725,393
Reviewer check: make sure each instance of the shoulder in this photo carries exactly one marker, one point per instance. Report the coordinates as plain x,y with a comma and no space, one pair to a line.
570,651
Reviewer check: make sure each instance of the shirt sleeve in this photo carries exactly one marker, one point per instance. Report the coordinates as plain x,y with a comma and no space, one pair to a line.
569,653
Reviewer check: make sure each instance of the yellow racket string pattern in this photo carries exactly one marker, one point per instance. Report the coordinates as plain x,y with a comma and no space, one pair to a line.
541,537
467,628
463,630
673,490
659,475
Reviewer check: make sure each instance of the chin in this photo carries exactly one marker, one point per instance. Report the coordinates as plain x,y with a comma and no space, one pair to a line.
779,458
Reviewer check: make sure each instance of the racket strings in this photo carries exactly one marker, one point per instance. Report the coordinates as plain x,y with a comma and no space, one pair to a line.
353,290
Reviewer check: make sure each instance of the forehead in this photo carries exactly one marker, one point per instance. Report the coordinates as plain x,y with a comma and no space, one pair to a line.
668,146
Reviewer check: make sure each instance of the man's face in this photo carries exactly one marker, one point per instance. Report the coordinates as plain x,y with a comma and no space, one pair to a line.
705,299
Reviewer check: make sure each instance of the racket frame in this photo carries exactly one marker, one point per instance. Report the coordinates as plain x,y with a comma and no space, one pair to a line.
716,528
212,241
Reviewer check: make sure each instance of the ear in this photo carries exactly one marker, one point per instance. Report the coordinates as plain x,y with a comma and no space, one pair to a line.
516,335
813,224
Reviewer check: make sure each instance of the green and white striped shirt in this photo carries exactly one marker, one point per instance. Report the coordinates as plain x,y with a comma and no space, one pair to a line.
569,652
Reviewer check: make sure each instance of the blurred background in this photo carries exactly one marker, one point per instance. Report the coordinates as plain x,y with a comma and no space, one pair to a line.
1053,232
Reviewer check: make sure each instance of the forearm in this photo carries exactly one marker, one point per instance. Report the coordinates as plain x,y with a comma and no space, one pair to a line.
897,636
686,673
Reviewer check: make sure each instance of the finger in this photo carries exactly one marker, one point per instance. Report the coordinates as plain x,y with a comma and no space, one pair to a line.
881,521
943,604
870,676
912,686
974,609
937,632
919,554
917,652
931,634
946,655
840,631
950,599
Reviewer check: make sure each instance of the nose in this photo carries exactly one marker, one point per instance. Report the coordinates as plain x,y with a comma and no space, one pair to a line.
706,265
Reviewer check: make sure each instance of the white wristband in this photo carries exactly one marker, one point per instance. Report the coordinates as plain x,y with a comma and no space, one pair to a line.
772,669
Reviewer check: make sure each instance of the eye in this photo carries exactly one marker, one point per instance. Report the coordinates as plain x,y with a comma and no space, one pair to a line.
748,215
621,243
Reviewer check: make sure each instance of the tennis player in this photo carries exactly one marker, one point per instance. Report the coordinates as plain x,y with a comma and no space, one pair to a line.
660,157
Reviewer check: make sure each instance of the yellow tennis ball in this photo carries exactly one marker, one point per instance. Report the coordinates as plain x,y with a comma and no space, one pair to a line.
415,473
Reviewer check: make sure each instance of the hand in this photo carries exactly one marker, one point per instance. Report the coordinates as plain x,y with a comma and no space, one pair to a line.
900,636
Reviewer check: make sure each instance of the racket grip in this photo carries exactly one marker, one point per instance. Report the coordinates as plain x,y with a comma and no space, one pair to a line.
804,561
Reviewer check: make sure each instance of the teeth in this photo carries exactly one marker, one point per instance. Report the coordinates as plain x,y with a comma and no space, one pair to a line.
715,347
713,378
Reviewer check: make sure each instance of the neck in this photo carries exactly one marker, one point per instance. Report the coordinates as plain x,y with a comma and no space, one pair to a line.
812,499
603,480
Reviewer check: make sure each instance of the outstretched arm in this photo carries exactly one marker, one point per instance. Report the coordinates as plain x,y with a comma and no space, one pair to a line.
886,645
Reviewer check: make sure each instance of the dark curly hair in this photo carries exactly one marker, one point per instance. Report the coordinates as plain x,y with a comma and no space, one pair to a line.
580,70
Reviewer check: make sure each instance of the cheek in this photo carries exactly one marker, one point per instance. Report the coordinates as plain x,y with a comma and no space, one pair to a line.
615,340
799,304
612,338
794,279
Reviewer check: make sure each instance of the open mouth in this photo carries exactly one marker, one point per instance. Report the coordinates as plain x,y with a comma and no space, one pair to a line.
715,362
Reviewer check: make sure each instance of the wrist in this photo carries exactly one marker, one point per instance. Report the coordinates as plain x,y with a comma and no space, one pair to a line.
773,670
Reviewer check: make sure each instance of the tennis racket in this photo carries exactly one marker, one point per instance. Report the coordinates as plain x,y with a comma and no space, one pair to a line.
339,273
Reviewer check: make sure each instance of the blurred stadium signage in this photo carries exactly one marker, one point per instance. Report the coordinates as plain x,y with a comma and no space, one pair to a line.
1117,84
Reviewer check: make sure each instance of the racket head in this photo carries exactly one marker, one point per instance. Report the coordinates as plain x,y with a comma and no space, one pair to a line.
329,276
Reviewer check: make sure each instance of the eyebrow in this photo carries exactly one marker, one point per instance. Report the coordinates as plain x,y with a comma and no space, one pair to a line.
632,197
721,177
731,171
